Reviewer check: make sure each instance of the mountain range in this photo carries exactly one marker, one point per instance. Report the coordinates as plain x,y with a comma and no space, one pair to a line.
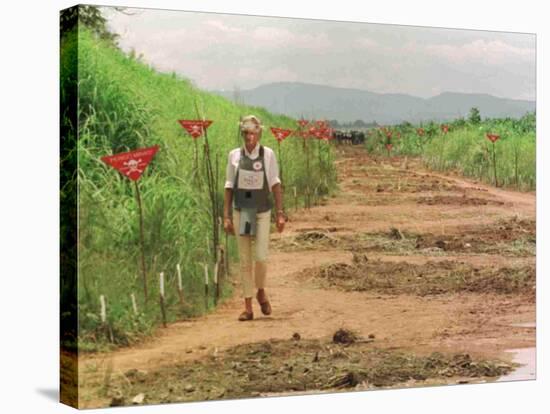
345,105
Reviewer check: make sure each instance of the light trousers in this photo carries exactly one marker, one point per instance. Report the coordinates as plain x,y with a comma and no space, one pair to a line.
253,252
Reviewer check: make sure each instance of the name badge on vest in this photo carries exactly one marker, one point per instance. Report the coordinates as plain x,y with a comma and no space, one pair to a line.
250,180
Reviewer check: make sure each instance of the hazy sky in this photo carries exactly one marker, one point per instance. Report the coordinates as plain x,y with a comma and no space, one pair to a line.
223,51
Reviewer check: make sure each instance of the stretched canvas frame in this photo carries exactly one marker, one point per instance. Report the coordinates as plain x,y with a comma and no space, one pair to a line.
129,271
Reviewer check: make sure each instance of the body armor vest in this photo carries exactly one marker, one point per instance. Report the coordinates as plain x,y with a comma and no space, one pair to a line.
251,191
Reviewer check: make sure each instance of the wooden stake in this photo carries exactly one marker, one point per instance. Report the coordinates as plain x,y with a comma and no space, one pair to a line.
308,174
220,230
211,183
161,280
141,238
180,286
217,295
280,163
226,255
221,263
196,174
162,308
495,164
134,304
103,311
205,286
103,314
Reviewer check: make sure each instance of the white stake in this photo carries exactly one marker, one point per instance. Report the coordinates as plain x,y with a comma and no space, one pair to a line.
216,273
103,308
179,276
161,276
134,305
206,274
294,191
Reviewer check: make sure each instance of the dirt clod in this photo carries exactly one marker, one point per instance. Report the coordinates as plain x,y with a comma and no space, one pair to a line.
396,234
359,258
117,401
344,336
314,237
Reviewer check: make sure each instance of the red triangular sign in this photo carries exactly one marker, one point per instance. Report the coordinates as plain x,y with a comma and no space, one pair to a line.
280,134
131,164
194,127
493,137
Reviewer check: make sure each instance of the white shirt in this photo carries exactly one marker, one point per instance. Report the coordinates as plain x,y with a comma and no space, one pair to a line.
270,162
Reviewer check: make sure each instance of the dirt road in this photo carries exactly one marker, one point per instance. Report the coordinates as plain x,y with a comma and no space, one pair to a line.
416,261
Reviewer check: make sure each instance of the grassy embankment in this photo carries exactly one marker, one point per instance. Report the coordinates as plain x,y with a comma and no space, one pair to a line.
124,104
466,150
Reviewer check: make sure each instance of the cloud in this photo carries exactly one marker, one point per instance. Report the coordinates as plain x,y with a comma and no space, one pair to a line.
491,52
220,26
220,51
369,44
270,38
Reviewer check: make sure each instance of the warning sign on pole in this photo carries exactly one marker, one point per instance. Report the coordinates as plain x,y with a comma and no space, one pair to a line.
493,137
131,164
195,128
280,134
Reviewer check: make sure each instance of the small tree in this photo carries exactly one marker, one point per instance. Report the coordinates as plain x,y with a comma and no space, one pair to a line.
474,116
460,122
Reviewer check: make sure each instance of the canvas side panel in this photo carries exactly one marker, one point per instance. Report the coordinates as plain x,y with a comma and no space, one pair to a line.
68,206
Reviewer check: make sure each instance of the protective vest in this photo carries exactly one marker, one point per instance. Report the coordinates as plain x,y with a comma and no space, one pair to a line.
251,191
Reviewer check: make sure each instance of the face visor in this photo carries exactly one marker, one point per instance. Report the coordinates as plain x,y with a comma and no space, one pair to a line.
251,124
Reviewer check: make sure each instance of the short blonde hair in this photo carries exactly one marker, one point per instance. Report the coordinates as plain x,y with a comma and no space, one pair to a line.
250,123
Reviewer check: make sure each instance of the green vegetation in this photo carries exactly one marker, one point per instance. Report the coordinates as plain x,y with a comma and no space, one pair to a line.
466,150
280,366
124,104
112,102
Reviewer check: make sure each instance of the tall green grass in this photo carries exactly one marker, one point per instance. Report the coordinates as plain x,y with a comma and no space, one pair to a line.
123,104
466,150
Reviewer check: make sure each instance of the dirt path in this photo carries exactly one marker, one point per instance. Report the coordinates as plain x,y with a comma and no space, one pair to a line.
377,194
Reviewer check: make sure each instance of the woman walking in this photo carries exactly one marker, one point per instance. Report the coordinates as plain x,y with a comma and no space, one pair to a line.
252,175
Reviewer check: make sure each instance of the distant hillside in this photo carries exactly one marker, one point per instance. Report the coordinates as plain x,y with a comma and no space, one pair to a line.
346,105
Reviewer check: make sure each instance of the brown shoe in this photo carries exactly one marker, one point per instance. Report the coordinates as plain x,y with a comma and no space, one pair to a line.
245,316
265,306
